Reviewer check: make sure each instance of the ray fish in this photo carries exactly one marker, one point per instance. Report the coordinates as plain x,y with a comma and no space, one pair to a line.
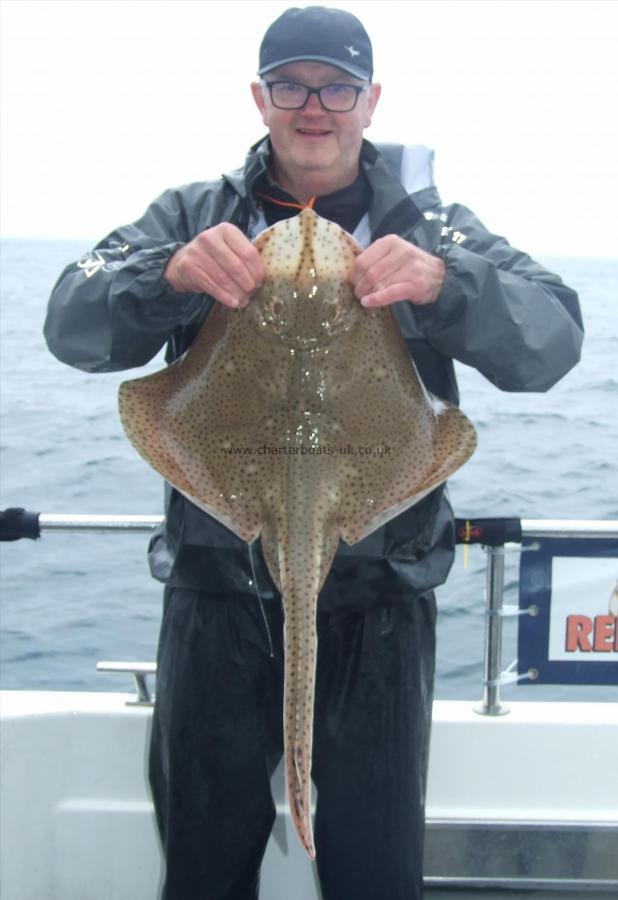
299,420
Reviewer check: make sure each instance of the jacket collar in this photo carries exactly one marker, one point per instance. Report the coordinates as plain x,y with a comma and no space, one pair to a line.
256,165
391,208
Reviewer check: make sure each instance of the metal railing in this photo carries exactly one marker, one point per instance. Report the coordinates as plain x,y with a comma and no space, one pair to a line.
495,535
139,671
495,610
101,524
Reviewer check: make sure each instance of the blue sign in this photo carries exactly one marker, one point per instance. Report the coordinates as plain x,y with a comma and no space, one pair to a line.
570,588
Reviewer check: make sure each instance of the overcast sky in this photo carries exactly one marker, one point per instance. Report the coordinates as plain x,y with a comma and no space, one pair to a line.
107,102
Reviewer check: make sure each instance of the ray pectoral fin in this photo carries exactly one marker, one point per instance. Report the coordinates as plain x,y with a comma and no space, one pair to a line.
171,429
389,486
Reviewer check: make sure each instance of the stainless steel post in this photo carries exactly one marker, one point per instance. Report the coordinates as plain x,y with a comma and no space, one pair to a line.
490,705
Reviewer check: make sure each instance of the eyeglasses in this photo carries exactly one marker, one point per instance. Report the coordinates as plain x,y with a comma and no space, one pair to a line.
333,97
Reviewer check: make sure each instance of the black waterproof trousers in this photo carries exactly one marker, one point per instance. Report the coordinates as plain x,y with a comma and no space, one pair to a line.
217,739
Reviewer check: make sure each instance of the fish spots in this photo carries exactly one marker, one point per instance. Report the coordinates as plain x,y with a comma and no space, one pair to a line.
302,368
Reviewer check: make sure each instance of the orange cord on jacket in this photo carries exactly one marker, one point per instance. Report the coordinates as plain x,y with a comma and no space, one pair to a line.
308,205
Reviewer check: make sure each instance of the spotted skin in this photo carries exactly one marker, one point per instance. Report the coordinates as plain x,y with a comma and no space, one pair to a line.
264,424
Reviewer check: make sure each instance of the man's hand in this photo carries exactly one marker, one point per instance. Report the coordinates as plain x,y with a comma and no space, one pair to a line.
392,269
221,262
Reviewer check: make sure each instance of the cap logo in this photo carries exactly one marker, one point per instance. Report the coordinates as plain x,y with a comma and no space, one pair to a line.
352,51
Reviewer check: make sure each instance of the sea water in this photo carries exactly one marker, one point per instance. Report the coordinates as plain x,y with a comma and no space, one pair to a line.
69,600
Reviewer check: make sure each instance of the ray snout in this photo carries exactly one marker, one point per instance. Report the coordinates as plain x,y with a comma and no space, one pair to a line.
306,248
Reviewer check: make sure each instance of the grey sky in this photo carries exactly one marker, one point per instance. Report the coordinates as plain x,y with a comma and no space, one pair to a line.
107,102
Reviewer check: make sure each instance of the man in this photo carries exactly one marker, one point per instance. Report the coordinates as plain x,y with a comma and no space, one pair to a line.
458,292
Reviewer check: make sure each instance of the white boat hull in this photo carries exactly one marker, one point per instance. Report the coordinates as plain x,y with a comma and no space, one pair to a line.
77,822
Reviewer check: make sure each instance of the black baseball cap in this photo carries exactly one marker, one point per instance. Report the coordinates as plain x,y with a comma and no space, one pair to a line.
317,34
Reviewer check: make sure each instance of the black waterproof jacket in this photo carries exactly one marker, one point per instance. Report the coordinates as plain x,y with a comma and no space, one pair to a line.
498,311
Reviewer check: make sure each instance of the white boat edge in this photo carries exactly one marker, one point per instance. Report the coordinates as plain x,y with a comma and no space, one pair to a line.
76,821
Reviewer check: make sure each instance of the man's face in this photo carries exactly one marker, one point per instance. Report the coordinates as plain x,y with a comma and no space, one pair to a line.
311,141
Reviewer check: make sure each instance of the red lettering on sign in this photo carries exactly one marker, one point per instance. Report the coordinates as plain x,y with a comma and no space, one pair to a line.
600,636
577,634
604,633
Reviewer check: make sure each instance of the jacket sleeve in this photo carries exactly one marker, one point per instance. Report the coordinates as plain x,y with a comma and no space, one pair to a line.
113,309
499,310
